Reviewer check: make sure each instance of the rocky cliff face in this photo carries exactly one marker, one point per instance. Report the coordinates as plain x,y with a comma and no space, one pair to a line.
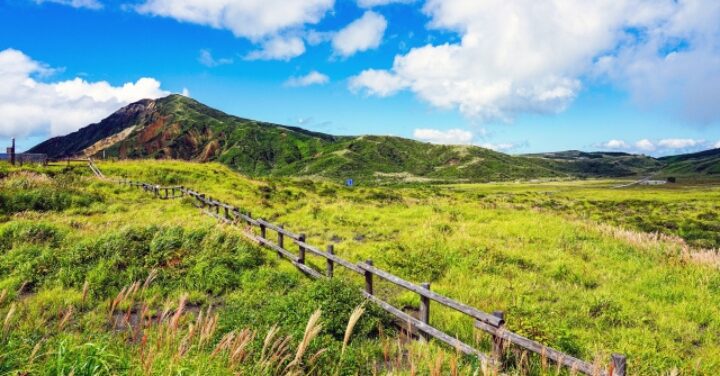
75,143
178,127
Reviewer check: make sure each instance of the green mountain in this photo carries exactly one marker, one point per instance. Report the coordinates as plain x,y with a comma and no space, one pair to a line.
589,164
177,127
702,163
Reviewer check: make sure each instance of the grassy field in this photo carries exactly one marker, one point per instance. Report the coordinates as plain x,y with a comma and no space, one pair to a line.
579,266
97,279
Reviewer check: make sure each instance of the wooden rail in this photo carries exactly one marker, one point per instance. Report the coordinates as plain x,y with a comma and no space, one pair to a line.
470,311
493,324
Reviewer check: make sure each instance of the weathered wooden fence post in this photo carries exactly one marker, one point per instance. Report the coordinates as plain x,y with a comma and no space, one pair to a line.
301,249
619,363
498,350
330,263
425,305
263,230
281,240
369,279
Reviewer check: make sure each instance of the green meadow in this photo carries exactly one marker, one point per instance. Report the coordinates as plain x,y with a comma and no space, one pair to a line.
577,265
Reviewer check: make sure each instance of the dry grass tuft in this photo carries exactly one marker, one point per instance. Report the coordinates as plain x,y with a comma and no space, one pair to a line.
175,321
354,318
66,316
8,320
311,331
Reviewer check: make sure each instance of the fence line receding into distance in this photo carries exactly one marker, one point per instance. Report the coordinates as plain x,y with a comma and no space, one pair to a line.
493,324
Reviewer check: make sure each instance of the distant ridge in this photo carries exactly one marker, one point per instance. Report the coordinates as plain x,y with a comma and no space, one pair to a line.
177,127
701,163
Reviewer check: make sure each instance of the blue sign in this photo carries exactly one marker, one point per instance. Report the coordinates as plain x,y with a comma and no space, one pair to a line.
349,182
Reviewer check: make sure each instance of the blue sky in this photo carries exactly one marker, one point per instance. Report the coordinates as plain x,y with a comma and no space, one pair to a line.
505,75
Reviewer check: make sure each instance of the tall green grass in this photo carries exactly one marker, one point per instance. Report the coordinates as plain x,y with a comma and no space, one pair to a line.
564,260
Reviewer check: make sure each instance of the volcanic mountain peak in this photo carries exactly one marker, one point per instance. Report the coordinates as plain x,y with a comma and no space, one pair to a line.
178,127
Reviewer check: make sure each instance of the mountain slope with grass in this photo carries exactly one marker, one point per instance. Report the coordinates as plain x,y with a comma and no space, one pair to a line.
177,127
589,164
703,163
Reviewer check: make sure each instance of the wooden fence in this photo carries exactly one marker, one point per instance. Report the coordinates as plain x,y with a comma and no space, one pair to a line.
494,324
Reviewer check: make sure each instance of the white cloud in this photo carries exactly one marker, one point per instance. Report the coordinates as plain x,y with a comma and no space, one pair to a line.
272,23
29,106
717,145
377,82
675,63
206,58
498,147
89,4
615,145
312,78
645,145
279,48
376,3
185,92
449,137
252,19
529,56
680,143
360,35
659,147
314,37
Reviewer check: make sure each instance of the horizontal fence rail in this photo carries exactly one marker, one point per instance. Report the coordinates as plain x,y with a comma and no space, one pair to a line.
493,324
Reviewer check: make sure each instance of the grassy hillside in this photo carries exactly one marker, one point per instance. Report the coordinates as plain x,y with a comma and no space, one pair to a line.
705,163
384,158
550,255
593,164
177,127
564,260
97,279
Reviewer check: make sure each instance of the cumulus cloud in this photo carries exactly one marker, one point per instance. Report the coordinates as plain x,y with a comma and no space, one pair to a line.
531,57
312,78
269,22
207,59
645,145
679,143
253,19
502,147
279,48
675,62
377,82
660,147
360,35
376,3
89,4
615,145
450,137
30,106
